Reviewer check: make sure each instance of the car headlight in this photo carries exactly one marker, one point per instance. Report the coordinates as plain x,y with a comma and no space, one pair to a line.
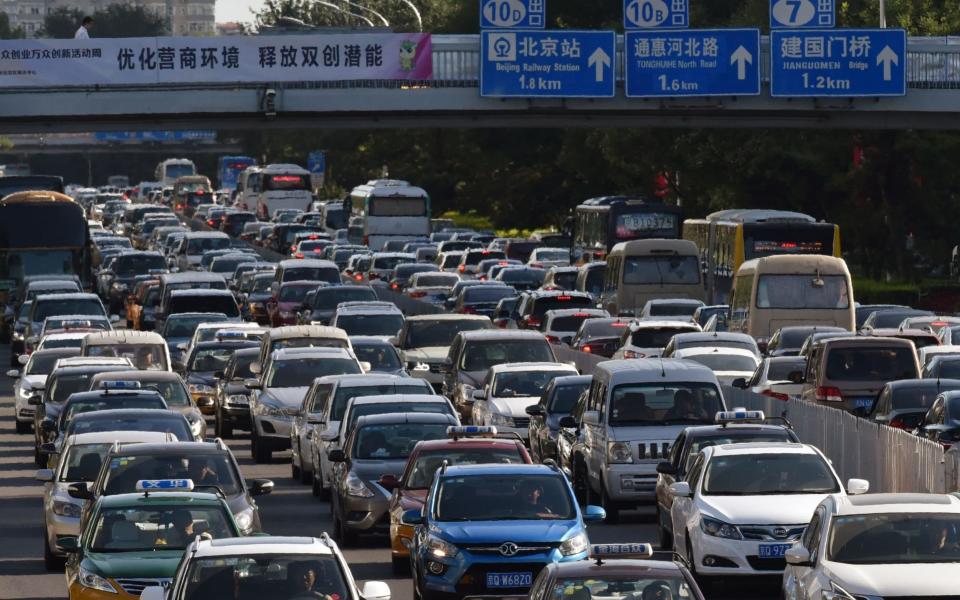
501,420
276,412
575,545
94,581
201,388
837,593
719,529
619,453
17,336
66,509
118,286
355,486
438,548
244,520
241,399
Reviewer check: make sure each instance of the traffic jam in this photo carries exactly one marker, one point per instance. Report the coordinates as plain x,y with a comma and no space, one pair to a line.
477,404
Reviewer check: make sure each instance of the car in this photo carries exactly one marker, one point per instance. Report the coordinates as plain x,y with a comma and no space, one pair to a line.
457,290
544,258
481,299
649,338
921,338
232,408
616,570
875,546
728,364
723,339
382,265
283,563
80,463
773,378
738,426
601,336
323,305
942,366
490,529
787,341
28,387
865,310
742,506
131,419
534,306
509,389
941,423
704,313
368,318
399,279
424,342
204,361
431,287
502,314
813,338
60,340
379,353
670,308
521,278
561,278
891,317
179,328
377,446
149,529
560,325
556,402
468,444
169,385
51,305
284,307
632,414
145,349
926,354
903,404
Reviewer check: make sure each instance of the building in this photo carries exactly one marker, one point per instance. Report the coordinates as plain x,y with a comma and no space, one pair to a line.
184,17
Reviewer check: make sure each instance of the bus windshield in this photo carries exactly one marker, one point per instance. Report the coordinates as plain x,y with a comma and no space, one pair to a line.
803,291
632,226
662,270
174,171
397,207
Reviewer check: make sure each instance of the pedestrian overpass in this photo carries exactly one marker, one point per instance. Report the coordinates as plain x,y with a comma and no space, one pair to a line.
452,99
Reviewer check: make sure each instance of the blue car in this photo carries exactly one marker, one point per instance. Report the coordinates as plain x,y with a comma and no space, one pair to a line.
488,530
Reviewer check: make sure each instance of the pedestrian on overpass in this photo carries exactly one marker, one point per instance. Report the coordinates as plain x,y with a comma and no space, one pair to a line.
84,32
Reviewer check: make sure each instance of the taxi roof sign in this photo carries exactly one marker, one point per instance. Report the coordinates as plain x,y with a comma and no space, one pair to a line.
119,385
740,415
460,431
599,551
164,485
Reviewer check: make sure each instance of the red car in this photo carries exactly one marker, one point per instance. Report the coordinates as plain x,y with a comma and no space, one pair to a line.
465,445
283,308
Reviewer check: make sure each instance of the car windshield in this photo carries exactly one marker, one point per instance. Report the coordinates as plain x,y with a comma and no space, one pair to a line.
345,393
565,397
328,299
393,441
697,444
382,357
136,264
301,372
149,357
504,498
262,284
480,356
184,326
75,407
551,254
515,276
201,245
895,538
664,404
49,308
565,280
487,294
295,293
444,280
327,274
206,470
211,359
655,337
661,270
82,462
66,384
389,263
946,369
871,363
438,333
383,324
382,408
420,473
161,421
162,527
622,587
725,362
780,370
520,384
768,474
41,363
172,390
803,291
253,575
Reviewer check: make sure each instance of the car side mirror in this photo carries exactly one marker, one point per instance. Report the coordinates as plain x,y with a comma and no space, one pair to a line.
44,475
375,590
591,417
252,384
412,517
256,367
389,482
666,468
798,556
260,487
593,514
337,455
23,359
478,395
13,373
79,491
680,489
68,544
365,366
856,487
535,410
739,383
568,422
795,377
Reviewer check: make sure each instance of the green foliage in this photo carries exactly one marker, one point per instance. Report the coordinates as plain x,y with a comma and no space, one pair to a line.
112,21
6,31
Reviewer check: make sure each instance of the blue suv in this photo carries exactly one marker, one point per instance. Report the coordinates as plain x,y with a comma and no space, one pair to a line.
488,530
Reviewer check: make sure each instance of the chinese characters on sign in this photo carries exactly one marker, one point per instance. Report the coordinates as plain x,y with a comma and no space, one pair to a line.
519,14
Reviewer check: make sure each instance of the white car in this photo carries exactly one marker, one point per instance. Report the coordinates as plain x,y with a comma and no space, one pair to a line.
31,382
877,546
647,339
772,378
544,258
62,340
728,364
743,506
509,389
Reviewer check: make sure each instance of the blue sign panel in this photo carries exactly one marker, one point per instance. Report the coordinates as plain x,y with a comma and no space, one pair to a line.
802,13
656,14
513,14
695,62
551,64
317,162
838,62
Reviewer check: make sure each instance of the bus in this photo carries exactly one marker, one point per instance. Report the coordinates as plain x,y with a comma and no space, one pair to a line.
171,169
118,181
283,186
390,209
644,270
727,238
60,247
601,223
229,170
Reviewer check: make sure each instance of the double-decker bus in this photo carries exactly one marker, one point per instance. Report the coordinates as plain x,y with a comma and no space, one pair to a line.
727,238
59,247
390,209
229,170
601,223
170,170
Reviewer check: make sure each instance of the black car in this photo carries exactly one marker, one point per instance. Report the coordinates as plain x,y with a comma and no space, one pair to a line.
233,223
886,318
600,336
325,300
557,401
903,404
787,341
482,299
942,422
522,278
116,281
204,361
232,408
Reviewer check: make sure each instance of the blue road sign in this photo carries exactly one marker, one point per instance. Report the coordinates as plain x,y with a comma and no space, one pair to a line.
694,62
513,14
317,162
552,64
802,13
838,62
656,14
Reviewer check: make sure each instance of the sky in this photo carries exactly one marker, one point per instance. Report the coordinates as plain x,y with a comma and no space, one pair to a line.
236,10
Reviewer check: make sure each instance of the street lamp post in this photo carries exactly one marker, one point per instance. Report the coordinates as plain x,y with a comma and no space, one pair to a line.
383,19
883,14
416,12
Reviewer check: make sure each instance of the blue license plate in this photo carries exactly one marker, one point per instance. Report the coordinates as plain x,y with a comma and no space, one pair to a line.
773,550
509,580
863,402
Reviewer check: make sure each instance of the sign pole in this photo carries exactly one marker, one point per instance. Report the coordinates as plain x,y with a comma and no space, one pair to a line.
883,14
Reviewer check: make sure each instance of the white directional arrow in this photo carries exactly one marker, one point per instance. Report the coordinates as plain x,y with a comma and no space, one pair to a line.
741,56
888,57
599,60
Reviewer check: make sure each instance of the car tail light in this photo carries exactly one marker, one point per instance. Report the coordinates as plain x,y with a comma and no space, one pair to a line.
564,298
417,294
829,394
775,395
536,265
586,349
532,321
211,222
462,268
898,423
552,339
317,250
373,276
394,286
468,310
633,354
298,255
358,277
293,248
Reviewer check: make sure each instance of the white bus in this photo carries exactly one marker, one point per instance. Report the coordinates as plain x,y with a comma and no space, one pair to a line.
283,186
390,209
171,169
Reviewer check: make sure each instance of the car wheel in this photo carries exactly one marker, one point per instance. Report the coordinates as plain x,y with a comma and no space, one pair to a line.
23,427
51,561
663,534
224,429
344,536
263,454
306,477
316,486
294,471
704,583
400,565
612,510
581,486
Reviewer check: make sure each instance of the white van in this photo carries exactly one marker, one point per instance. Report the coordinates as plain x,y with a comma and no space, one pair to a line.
283,186
147,350
248,187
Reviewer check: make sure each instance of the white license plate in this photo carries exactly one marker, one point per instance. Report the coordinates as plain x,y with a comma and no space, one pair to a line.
509,580
773,550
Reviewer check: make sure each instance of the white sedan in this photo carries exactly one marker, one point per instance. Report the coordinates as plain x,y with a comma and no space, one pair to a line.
728,364
744,505
877,546
509,390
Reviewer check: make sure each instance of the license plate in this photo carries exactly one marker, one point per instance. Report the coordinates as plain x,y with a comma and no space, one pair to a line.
509,580
863,402
773,550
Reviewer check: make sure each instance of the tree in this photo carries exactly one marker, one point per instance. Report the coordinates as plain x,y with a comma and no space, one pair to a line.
7,32
61,22
112,21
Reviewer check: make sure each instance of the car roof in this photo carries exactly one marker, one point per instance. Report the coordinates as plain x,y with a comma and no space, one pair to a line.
370,379
570,312
500,334
268,544
302,331
499,469
321,351
657,323
467,442
120,437
198,293
402,398
70,296
137,375
127,412
446,317
312,263
651,371
521,367
632,569
760,448
164,498
702,350
896,503
391,418
701,431
175,448
123,336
